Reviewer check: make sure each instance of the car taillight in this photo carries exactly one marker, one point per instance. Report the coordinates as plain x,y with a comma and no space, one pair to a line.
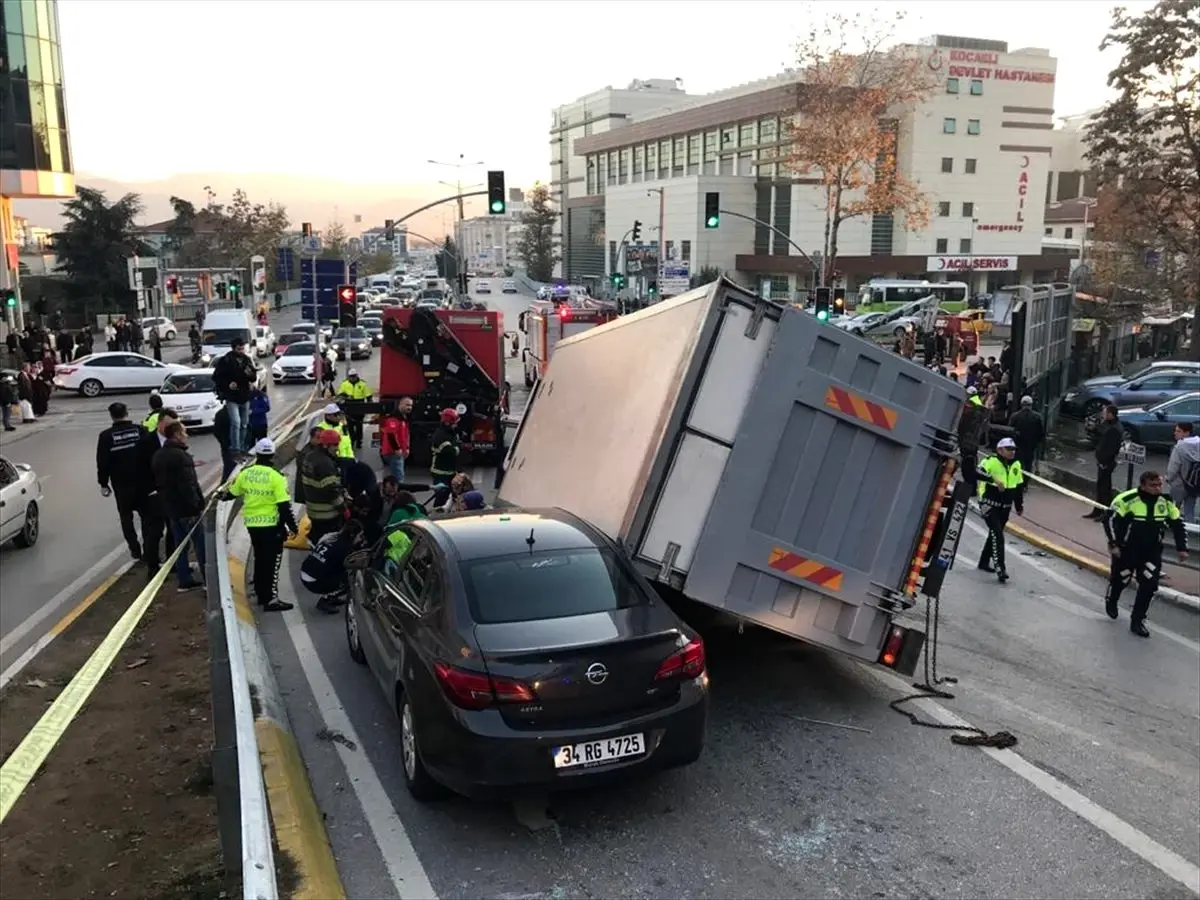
474,690
688,662
65,370
892,646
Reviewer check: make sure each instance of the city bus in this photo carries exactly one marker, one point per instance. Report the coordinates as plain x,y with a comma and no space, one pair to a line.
882,294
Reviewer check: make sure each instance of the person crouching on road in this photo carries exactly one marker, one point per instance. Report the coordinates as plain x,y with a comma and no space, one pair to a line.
182,500
323,571
444,448
354,388
267,513
1001,487
321,483
1135,523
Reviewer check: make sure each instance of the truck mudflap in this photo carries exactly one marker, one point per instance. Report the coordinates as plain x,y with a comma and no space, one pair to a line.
824,499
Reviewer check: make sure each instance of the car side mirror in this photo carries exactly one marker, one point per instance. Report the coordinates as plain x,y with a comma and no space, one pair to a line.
1160,415
358,560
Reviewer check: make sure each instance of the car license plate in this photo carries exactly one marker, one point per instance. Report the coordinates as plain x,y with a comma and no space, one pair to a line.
595,753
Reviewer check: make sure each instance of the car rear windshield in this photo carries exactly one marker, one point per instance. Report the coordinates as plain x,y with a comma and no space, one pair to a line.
188,384
529,586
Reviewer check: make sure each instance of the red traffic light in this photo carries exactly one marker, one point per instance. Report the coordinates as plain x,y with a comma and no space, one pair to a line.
347,293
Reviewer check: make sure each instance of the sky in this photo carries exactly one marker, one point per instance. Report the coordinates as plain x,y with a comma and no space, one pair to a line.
363,93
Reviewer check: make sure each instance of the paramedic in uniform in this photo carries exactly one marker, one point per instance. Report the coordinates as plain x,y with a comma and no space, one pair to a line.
267,513
1001,487
1135,523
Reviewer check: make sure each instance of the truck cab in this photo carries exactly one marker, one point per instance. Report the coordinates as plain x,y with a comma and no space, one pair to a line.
546,323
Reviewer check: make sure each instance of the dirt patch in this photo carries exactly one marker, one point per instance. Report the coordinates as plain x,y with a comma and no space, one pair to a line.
124,805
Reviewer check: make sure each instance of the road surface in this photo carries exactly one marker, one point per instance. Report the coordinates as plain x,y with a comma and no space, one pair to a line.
80,543
810,785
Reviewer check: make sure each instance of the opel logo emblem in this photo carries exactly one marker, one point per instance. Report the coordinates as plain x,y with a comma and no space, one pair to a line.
597,673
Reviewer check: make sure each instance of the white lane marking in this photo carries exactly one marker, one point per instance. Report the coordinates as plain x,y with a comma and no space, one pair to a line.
1166,861
1074,587
403,865
56,602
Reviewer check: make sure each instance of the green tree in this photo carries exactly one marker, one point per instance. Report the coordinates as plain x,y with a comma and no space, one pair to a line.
225,235
536,245
93,248
1145,144
334,241
377,263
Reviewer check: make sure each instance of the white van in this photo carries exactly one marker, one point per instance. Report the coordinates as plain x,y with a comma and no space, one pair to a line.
221,326
380,283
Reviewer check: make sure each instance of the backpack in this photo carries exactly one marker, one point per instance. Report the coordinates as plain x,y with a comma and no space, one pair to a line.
1191,477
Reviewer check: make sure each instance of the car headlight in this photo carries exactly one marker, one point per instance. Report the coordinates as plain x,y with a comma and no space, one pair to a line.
211,404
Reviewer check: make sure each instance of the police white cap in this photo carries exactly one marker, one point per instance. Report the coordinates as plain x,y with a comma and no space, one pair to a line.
333,410
972,390
265,447
352,372
1006,444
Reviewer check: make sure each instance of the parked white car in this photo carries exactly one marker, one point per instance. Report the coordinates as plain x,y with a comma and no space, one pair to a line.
166,328
295,364
482,287
20,503
508,286
113,371
192,394
264,340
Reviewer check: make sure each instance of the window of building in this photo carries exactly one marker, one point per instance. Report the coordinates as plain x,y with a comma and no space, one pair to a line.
944,208
726,166
1068,233
728,138
766,170
745,164
693,154
651,160
949,126
942,245
1049,232
710,144
664,159
951,85
685,250
968,210
677,162
947,163
964,245
748,136
969,166
670,250
976,87
623,166
768,130
972,126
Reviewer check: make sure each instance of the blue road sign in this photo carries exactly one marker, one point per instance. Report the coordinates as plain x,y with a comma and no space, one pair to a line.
318,290
284,262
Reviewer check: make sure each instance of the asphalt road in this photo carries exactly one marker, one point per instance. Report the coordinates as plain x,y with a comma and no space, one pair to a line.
80,543
810,785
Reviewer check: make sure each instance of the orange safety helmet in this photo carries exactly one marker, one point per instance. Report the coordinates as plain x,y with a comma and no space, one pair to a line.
449,416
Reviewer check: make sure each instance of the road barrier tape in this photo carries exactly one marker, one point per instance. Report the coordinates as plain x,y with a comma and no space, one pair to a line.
23,763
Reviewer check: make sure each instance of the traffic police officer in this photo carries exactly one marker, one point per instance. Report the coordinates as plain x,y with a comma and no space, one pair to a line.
267,513
117,470
150,423
333,421
354,388
1001,487
1135,523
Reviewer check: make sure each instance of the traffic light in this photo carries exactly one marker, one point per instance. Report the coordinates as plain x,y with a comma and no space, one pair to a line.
10,298
824,295
173,287
347,295
389,230
496,199
839,300
652,289
306,229
220,287
712,209
618,280
636,237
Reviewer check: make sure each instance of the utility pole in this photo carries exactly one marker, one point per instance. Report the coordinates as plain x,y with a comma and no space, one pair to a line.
662,237
458,166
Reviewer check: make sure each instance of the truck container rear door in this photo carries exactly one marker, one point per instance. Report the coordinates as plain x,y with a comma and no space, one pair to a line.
816,518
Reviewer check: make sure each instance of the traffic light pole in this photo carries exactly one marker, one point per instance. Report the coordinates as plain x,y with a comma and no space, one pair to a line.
455,198
768,225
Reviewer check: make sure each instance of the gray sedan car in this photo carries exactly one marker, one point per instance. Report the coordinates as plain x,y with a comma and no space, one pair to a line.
1153,386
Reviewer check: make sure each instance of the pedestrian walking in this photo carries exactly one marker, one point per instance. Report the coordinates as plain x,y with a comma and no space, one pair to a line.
1183,471
267,514
1029,432
182,500
1135,525
1108,445
1001,488
156,343
117,471
150,508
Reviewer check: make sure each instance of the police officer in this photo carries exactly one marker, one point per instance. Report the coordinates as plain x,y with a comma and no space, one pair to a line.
1135,523
1001,487
150,423
267,513
333,421
117,471
354,388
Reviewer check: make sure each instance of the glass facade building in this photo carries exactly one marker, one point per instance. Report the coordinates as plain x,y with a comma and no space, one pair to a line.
35,148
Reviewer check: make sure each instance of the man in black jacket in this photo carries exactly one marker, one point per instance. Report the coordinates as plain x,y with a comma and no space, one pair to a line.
234,375
182,500
1108,445
153,515
117,471
1029,433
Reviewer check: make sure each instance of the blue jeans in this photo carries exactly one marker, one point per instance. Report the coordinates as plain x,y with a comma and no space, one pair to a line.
239,425
395,466
6,414
179,529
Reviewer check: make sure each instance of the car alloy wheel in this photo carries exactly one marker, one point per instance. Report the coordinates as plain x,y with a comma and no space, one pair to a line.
408,741
170,335
29,534
352,635
416,777
91,388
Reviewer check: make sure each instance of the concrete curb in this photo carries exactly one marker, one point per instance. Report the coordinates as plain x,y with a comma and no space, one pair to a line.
1167,595
296,819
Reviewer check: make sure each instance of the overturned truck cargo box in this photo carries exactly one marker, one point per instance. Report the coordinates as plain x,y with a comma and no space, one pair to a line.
754,459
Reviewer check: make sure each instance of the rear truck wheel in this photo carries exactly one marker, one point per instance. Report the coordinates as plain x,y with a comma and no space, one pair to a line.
170,335
28,535
91,388
418,781
353,639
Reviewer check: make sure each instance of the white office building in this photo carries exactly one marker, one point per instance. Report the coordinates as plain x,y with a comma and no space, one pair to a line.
490,243
375,239
980,148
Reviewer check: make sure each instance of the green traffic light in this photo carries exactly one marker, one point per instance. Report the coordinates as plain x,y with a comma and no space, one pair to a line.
823,315
712,222
497,206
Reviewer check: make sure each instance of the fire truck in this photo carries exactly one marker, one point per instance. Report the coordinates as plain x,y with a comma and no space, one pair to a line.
547,322
444,359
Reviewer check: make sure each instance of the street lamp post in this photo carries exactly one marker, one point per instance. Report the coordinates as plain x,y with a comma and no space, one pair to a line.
458,166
